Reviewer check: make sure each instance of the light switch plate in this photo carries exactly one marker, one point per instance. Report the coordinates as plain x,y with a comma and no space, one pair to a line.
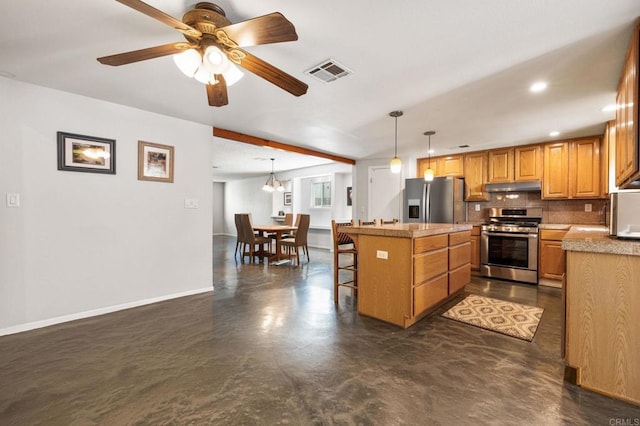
587,207
477,207
191,203
381,254
13,200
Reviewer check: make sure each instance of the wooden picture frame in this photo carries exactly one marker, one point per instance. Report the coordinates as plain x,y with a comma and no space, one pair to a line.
155,162
287,198
89,154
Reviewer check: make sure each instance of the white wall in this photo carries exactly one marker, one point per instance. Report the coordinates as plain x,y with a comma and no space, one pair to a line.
83,243
218,208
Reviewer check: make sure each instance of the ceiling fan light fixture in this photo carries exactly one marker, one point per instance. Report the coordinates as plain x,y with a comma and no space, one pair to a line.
232,75
188,61
205,77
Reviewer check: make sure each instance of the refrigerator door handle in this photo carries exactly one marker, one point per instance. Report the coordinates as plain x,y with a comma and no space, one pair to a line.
427,209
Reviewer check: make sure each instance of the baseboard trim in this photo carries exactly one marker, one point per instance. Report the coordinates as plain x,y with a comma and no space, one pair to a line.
96,312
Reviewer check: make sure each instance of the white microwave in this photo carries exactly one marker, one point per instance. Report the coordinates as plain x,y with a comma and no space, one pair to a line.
624,220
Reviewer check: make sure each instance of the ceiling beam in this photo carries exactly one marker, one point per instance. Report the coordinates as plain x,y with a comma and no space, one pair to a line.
240,137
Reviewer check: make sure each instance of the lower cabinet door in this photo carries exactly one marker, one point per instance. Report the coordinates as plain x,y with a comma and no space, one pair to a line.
428,294
459,277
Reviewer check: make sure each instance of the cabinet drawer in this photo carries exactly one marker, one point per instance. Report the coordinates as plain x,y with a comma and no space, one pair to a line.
459,255
429,293
432,242
552,234
459,237
475,231
429,265
460,277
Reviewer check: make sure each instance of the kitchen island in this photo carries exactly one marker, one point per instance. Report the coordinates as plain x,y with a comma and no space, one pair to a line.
406,270
602,316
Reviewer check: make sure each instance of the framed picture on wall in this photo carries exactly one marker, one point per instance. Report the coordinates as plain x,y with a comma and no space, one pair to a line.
287,199
349,192
155,162
80,153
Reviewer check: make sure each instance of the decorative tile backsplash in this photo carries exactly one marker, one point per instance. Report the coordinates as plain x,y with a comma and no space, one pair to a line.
553,211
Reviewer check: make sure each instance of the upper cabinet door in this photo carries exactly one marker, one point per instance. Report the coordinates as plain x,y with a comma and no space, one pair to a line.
528,163
450,165
585,168
475,176
627,143
555,182
501,165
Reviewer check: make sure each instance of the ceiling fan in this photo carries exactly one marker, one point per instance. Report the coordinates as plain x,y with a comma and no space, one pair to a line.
213,48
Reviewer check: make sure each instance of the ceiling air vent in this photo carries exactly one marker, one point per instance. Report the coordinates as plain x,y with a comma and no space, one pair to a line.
328,71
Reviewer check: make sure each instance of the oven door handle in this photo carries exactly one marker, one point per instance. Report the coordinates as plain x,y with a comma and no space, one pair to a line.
509,234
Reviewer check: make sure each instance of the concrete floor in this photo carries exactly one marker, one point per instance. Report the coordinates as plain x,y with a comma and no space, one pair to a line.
270,347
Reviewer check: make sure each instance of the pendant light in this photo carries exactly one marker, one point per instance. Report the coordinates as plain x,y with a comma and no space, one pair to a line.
428,174
396,164
272,182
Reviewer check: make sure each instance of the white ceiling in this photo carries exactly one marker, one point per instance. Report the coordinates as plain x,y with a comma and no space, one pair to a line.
459,67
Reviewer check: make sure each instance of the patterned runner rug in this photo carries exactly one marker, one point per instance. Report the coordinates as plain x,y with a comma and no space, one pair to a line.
512,319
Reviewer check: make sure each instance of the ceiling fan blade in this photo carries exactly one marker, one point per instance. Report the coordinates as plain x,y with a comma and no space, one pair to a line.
267,71
217,93
271,28
162,17
144,54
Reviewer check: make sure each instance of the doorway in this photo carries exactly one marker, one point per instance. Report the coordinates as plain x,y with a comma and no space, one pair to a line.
385,193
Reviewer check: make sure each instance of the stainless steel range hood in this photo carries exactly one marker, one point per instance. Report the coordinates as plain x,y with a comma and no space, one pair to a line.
533,185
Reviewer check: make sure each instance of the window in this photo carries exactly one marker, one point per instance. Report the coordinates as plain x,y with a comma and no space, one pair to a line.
321,192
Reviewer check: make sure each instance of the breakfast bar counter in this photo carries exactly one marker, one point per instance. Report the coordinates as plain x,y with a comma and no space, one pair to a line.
602,295
406,270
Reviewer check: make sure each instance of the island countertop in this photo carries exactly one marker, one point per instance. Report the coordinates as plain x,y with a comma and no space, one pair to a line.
596,239
406,230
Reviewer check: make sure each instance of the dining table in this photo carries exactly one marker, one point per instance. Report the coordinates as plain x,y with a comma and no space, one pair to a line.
277,257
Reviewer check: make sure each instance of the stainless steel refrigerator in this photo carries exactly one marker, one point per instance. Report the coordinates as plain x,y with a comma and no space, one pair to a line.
438,201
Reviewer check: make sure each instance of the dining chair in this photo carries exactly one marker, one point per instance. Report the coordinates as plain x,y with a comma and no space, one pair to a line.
365,223
343,245
239,233
388,222
253,240
299,240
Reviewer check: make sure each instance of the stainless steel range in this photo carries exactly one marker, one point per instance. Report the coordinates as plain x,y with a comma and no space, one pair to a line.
509,244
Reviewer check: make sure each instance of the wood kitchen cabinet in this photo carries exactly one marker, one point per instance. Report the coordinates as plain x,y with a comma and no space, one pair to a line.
501,165
448,165
555,178
475,248
551,262
521,163
422,266
528,163
627,155
475,176
572,169
584,168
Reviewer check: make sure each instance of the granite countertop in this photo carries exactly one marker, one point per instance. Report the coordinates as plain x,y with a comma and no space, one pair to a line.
555,226
406,230
596,239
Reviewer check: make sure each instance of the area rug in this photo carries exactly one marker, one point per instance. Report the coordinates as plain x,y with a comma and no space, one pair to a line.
512,319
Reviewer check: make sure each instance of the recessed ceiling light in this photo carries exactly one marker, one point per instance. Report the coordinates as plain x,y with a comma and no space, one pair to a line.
554,134
538,86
